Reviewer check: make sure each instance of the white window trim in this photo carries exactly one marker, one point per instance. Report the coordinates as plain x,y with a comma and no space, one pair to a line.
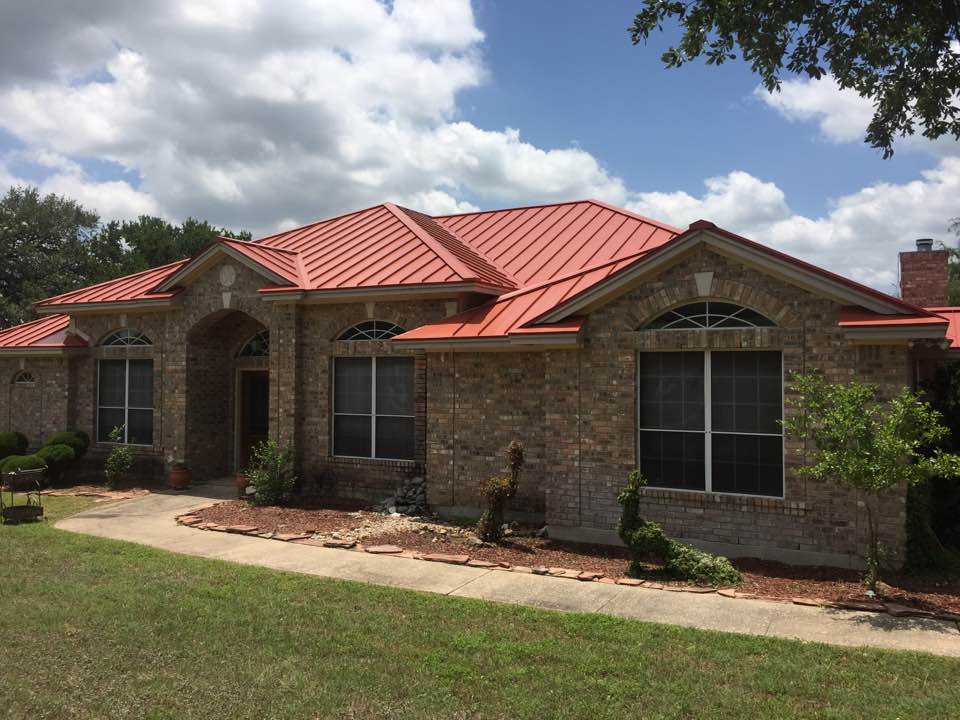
126,407
373,415
708,431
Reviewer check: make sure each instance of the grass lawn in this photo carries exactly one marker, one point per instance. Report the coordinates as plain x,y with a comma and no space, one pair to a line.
93,628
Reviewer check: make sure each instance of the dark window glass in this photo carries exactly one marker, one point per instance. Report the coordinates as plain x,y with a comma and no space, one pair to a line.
671,391
141,384
113,383
746,392
140,427
125,399
395,437
747,464
673,459
107,420
394,387
352,385
351,435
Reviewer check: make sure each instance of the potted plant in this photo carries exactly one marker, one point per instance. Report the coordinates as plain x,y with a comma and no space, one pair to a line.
179,475
243,482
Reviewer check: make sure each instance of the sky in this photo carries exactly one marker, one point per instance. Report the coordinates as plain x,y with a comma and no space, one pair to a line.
267,114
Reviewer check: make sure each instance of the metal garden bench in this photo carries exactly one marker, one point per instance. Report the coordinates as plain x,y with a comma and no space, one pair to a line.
28,483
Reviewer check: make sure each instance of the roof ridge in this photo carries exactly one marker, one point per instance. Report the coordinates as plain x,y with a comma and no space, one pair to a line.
322,221
28,323
270,248
519,207
109,282
404,215
572,274
634,215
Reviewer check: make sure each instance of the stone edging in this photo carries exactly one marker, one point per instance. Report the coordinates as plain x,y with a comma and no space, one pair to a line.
190,520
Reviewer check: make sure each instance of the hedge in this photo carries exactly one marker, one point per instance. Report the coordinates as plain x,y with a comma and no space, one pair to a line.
75,439
12,443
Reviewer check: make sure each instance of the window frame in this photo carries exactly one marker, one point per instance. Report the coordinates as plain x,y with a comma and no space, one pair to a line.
373,415
126,402
18,380
711,325
708,431
127,337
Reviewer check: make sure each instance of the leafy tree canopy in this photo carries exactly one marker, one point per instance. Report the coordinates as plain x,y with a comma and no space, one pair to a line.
51,244
903,56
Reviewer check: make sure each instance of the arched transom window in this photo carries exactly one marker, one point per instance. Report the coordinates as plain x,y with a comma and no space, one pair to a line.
127,338
372,330
257,346
709,315
24,377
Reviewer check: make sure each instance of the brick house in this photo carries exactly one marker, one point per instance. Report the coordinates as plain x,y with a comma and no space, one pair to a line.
384,344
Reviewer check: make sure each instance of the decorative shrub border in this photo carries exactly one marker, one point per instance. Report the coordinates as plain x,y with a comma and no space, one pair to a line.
189,519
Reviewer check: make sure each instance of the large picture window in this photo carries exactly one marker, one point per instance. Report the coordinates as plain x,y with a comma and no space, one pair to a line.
125,400
710,421
373,407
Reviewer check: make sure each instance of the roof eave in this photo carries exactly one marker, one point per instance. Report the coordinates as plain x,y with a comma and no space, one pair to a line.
41,351
205,258
393,292
542,341
145,304
894,334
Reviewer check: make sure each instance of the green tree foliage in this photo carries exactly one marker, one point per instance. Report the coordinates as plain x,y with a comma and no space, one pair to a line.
51,244
119,462
853,438
497,491
898,55
271,473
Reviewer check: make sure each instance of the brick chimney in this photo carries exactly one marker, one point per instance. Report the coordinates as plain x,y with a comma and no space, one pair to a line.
923,275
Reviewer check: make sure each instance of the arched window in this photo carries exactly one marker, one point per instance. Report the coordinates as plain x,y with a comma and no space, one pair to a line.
24,377
257,346
372,330
709,315
127,338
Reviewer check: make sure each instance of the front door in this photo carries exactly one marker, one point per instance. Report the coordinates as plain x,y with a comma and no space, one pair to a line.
253,415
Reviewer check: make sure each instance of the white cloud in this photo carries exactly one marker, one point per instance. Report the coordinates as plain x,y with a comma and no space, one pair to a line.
842,114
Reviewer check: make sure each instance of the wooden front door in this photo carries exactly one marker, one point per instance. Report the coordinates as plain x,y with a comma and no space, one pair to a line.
253,417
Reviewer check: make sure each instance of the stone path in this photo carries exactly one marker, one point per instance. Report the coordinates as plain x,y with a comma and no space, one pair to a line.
151,521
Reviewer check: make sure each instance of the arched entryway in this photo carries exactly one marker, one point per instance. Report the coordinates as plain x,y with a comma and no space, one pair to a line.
227,391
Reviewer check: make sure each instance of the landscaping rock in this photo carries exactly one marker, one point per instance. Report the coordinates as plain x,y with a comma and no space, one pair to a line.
862,605
948,616
442,557
343,544
540,570
409,499
189,520
589,576
504,564
898,610
727,592
607,581
632,582
287,537
481,564
699,589
651,585
812,602
521,569
240,529
384,549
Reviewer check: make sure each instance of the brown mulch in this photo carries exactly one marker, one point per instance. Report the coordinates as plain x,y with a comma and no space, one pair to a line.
763,578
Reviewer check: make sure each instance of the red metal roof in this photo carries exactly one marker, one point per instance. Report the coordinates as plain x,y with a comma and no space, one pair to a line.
130,288
857,317
284,263
508,315
536,244
47,333
952,316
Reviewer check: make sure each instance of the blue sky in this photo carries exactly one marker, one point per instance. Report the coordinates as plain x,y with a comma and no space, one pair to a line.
264,115
565,75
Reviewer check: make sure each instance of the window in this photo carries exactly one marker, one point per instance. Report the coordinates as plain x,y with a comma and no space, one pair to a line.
257,346
128,338
371,330
125,399
710,421
373,407
709,315
24,377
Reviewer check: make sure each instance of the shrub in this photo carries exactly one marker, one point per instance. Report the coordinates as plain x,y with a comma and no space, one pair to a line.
119,461
75,439
645,539
58,458
497,492
13,443
22,462
271,473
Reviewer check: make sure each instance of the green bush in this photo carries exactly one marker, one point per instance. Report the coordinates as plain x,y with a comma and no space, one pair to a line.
13,443
645,539
75,439
271,473
59,458
21,462
119,461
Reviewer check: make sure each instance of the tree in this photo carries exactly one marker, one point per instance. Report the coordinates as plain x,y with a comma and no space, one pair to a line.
853,438
899,55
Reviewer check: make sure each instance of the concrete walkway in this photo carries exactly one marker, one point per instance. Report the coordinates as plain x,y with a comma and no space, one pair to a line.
150,521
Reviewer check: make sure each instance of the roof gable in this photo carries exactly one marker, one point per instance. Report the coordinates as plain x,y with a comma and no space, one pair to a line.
279,266
51,333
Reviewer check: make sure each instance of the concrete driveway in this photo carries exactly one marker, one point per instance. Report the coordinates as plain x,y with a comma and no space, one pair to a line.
150,520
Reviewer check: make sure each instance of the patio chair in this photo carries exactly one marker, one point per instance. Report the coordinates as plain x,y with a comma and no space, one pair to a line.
28,483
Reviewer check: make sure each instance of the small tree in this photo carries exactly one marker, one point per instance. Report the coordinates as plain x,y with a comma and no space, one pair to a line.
855,439
119,461
497,491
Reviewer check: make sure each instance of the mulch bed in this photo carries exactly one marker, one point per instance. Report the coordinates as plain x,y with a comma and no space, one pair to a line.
762,578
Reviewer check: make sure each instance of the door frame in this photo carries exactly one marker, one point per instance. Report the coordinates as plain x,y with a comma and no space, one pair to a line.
238,410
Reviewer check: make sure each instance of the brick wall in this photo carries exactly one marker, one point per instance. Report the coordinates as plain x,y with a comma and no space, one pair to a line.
39,409
923,277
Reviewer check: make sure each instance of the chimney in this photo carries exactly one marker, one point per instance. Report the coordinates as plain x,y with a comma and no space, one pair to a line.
923,275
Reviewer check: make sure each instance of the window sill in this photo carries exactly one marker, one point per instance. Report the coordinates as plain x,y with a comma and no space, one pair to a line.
360,460
698,498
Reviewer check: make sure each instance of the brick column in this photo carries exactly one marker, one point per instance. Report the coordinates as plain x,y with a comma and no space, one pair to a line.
171,362
561,407
284,392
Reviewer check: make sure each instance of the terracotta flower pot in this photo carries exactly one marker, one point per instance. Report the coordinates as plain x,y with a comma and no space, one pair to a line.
242,483
179,477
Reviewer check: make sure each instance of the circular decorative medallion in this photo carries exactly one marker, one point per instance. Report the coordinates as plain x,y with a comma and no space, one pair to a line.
228,275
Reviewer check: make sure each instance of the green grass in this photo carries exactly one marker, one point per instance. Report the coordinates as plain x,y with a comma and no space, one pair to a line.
92,628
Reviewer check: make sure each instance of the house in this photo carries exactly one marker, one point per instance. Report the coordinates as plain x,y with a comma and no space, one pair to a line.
385,344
